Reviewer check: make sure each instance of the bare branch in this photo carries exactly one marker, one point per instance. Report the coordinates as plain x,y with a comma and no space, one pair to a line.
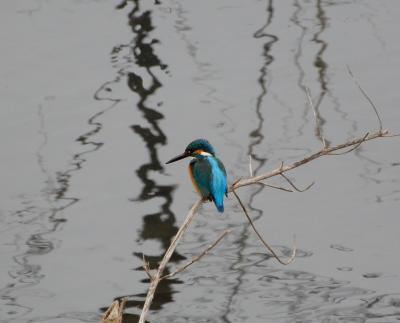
197,258
366,96
158,276
317,119
266,245
294,186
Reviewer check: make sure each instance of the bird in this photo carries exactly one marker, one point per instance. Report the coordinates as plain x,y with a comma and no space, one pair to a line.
206,171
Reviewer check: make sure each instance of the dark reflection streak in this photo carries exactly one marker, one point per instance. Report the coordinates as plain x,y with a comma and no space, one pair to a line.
204,73
257,133
159,225
368,174
78,160
319,63
257,139
321,66
299,52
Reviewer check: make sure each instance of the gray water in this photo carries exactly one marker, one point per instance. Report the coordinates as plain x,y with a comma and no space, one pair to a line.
96,96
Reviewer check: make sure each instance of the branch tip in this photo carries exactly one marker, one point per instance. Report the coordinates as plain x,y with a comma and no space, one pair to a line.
366,97
317,119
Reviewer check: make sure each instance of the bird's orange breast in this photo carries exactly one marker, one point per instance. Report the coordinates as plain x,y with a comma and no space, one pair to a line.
193,180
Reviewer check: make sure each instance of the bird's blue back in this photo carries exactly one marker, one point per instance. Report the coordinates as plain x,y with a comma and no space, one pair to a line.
209,176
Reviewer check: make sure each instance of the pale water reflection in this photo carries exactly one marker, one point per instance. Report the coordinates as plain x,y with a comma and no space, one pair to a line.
95,98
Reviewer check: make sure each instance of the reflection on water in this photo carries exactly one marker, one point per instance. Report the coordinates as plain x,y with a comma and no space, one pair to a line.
256,137
251,289
321,66
295,296
267,294
35,221
159,225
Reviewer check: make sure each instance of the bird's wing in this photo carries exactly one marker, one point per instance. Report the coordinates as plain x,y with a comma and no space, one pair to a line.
218,185
201,173
222,167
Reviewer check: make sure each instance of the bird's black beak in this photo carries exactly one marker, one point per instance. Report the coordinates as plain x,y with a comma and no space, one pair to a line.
179,157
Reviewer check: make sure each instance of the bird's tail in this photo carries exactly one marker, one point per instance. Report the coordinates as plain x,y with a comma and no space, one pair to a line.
219,204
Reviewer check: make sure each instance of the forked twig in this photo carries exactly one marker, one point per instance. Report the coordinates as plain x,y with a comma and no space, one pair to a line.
323,152
351,149
276,187
366,96
294,186
198,257
266,245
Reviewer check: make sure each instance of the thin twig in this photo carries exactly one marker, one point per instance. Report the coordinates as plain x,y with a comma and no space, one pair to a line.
292,256
351,149
294,186
281,167
366,96
146,267
317,119
276,187
198,257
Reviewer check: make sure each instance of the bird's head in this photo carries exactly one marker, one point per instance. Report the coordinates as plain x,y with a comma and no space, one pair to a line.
195,148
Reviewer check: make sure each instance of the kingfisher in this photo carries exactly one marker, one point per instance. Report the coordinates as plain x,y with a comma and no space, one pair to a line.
207,172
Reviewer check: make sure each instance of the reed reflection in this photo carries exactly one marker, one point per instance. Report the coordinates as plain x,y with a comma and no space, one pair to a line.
40,217
321,66
159,225
256,139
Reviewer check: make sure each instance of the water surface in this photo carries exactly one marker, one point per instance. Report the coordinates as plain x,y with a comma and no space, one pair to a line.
96,96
